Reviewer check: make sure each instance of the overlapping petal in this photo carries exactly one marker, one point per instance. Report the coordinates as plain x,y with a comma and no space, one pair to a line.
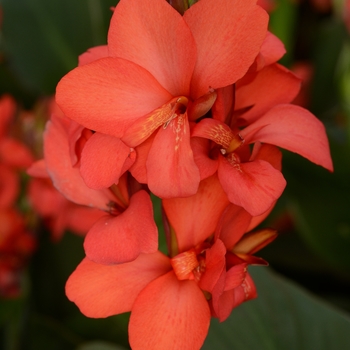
207,205
158,40
65,177
270,86
179,312
106,153
122,238
109,94
255,186
295,129
228,38
171,170
105,290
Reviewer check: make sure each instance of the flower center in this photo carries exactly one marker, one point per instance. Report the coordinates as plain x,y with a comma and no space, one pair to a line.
178,107
188,265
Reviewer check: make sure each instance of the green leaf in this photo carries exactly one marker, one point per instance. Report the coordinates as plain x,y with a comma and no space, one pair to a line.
42,39
282,317
99,345
320,201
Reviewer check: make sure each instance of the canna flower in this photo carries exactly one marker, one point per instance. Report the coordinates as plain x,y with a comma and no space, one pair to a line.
255,112
160,72
58,213
126,226
205,275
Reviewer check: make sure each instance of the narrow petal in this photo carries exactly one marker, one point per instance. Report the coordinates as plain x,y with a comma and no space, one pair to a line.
65,177
102,160
171,170
253,185
223,106
214,266
214,130
254,241
295,129
144,127
270,86
194,218
105,290
225,53
153,35
109,94
179,312
122,238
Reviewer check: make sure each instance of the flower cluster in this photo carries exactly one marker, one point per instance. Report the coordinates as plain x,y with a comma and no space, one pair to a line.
16,242
191,108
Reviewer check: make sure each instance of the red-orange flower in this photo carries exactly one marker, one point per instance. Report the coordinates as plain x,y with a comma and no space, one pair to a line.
206,274
127,227
161,72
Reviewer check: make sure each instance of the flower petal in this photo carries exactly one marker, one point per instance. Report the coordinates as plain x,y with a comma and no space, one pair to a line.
102,160
194,218
253,185
65,177
171,170
105,290
153,35
254,241
201,148
295,129
270,86
233,225
179,312
226,52
93,54
109,94
214,266
122,238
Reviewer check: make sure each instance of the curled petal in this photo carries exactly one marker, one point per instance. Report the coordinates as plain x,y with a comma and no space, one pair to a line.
270,86
201,148
295,129
254,185
254,241
214,130
114,240
65,177
214,266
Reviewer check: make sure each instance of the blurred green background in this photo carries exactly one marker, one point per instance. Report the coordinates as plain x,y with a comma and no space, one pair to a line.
40,42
